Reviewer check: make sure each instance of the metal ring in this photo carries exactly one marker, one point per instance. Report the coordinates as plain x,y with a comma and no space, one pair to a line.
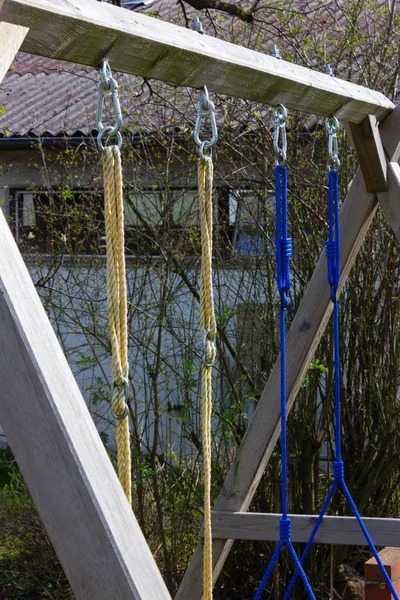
105,74
124,414
334,162
205,340
126,390
279,119
204,98
331,128
108,131
201,150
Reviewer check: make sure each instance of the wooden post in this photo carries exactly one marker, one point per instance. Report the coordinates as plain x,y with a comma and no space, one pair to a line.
59,451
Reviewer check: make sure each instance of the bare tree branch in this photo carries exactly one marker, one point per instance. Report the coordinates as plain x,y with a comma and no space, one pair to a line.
233,10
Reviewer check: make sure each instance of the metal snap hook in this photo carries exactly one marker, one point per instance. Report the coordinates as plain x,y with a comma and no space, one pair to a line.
332,126
279,115
108,87
204,107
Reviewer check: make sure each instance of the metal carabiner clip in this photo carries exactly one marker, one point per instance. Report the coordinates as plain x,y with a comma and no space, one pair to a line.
279,115
108,87
332,126
204,107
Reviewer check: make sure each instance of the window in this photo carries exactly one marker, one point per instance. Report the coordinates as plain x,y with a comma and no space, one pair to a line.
248,219
156,220
64,221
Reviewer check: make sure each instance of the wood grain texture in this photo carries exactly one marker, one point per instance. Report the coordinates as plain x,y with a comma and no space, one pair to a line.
303,337
59,451
333,530
390,200
11,37
371,155
390,134
86,32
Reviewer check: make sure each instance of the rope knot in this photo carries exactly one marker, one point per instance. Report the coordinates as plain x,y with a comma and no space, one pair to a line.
330,247
285,528
331,256
286,248
338,469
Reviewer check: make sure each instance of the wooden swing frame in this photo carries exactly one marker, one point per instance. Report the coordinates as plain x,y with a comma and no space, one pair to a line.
44,416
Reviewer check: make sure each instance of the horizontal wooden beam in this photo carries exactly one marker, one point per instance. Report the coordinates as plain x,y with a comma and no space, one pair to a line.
59,451
86,32
333,530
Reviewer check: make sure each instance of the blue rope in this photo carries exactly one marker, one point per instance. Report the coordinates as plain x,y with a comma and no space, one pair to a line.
283,254
333,261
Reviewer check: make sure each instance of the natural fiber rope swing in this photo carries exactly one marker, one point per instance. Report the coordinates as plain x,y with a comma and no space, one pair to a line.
208,326
116,276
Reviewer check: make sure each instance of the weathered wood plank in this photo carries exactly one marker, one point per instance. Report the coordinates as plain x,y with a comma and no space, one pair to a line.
390,200
86,32
60,453
303,337
390,134
371,155
11,37
333,530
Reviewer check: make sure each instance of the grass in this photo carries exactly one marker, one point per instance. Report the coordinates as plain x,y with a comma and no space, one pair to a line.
29,567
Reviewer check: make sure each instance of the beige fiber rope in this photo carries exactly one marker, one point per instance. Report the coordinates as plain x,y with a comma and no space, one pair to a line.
117,307
208,330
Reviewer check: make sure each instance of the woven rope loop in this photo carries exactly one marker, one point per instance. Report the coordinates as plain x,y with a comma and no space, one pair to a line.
338,469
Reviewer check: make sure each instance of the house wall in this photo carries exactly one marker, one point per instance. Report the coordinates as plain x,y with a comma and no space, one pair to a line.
74,297
75,300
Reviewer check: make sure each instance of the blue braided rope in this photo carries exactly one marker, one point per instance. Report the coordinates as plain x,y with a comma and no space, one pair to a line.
283,254
333,261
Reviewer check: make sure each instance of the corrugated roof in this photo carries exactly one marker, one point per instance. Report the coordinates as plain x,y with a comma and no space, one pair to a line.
45,101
